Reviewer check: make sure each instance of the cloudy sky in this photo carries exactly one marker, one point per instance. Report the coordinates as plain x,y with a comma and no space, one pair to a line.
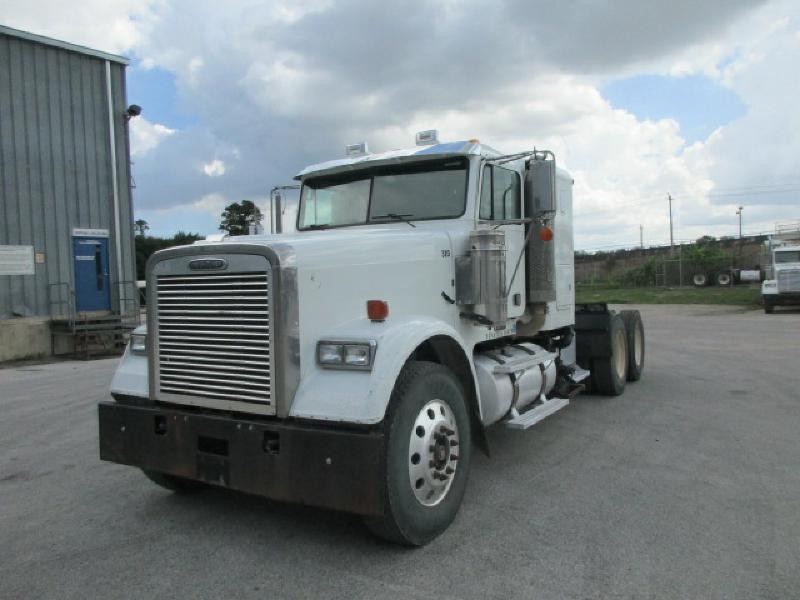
637,99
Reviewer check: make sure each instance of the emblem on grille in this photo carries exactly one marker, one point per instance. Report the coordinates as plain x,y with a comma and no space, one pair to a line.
208,264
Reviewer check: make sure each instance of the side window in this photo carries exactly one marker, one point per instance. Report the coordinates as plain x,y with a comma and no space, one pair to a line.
500,198
486,194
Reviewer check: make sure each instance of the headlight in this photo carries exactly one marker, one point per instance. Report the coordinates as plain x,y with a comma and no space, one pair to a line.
139,343
770,284
346,355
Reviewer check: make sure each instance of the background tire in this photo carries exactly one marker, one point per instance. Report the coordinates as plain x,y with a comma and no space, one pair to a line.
699,279
723,279
179,485
634,329
609,374
406,519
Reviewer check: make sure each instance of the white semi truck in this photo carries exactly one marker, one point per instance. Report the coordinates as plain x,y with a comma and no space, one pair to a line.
782,286
354,364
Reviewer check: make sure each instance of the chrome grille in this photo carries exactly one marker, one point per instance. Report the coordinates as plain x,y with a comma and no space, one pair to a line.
789,281
214,336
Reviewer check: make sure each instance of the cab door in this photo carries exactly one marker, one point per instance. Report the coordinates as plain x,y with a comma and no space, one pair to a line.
501,207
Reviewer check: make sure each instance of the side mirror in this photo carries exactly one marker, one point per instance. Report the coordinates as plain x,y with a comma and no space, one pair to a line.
540,187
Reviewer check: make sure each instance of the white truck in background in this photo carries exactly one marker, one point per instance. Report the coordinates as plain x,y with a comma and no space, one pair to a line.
782,285
427,294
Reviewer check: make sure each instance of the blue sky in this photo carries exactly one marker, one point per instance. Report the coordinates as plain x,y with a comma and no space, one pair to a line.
155,90
698,103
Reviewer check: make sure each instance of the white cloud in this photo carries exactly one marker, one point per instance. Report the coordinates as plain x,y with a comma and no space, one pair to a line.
279,85
215,168
145,135
113,26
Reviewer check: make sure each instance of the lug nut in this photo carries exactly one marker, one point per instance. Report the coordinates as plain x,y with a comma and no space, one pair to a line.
453,442
453,457
449,470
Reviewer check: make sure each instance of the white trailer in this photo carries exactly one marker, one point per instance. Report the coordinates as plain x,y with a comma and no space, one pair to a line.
427,294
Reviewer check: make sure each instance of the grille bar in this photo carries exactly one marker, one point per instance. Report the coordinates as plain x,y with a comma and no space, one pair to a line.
214,336
789,281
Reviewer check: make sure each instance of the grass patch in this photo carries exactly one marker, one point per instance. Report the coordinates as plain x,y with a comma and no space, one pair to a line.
741,295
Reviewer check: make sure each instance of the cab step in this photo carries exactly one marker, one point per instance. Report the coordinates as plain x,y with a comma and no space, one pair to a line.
543,408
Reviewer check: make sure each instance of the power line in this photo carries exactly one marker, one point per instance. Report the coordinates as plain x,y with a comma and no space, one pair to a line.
754,193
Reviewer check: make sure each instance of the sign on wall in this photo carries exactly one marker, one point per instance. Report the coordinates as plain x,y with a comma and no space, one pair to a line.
16,260
81,232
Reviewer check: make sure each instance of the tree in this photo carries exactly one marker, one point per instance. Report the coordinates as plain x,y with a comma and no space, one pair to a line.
140,226
236,217
145,246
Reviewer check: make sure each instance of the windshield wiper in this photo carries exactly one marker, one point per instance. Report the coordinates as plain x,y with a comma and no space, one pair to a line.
394,217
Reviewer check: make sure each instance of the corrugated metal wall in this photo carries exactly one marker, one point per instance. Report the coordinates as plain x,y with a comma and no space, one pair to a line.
55,165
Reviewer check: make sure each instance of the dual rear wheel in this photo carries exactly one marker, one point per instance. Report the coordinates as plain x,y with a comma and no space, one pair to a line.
626,362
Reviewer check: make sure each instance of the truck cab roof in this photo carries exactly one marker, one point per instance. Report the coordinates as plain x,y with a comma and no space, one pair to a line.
402,155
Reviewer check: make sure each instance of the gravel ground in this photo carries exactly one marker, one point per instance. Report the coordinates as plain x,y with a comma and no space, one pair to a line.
686,487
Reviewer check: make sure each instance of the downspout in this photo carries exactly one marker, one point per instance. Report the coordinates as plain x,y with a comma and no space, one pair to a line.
112,140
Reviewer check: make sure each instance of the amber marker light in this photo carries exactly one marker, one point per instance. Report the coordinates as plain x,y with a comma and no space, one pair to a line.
377,310
546,234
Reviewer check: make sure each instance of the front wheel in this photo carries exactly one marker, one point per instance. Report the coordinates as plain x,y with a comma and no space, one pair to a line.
428,446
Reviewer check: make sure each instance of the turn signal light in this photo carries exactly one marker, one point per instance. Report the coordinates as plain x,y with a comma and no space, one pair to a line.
545,234
377,310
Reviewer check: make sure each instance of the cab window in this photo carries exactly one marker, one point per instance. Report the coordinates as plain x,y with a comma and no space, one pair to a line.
500,194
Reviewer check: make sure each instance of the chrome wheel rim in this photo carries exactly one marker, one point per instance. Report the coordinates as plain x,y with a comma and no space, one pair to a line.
433,453
620,362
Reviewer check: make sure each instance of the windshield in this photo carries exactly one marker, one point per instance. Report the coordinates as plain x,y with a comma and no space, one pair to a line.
413,192
787,256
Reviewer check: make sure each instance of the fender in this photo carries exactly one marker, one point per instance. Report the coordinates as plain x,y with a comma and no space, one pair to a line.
131,375
359,396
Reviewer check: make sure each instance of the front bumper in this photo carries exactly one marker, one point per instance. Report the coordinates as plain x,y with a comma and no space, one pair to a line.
341,470
782,299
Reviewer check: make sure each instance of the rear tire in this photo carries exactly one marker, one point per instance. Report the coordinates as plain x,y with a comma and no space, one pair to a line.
723,279
173,483
427,402
634,329
699,280
609,374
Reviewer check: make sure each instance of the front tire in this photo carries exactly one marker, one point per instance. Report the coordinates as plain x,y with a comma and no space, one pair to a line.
428,446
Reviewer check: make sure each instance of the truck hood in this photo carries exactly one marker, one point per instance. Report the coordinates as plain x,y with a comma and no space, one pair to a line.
344,247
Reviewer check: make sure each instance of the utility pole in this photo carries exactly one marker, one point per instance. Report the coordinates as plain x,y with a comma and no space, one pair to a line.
641,237
671,242
739,212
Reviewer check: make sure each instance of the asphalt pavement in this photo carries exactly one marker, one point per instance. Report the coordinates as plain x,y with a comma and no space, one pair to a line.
687,486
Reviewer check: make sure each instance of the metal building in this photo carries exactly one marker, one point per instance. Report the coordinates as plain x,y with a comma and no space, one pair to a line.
66,216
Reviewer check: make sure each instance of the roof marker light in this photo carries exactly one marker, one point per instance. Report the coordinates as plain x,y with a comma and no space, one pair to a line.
427,137
359,149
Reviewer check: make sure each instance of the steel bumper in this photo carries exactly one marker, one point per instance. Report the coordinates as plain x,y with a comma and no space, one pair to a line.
341,470
782,299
